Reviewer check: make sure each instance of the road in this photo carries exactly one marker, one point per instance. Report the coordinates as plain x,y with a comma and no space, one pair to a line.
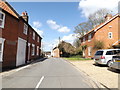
50,73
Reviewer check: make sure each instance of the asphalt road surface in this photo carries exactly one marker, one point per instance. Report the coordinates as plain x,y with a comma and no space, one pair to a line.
50,73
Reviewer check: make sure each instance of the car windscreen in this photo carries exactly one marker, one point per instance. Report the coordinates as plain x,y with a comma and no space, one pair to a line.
99,53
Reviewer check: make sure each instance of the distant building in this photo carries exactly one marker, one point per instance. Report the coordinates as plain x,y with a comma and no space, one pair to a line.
19,42
47,54
56,52
108,33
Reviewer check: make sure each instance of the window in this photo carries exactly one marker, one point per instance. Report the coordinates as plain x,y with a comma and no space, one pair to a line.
37,50
110,35
89,37
99,53
114,52
2,19
109,53
38,39
25,29
33,35
33,50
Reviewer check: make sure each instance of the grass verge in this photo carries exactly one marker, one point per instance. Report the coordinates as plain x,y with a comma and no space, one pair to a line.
77,58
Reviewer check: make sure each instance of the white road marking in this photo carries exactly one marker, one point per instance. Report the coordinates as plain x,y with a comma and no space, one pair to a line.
22,68
37,86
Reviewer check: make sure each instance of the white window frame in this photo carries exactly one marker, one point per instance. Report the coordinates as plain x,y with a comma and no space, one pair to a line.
33,35
3,20
38,50
89,37
2,48
110,35
25,30
33,50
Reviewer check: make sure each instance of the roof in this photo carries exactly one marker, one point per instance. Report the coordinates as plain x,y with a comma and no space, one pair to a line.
7,7
101,25
116,43
108,49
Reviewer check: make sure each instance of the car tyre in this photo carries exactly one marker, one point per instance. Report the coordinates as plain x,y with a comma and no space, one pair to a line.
109,63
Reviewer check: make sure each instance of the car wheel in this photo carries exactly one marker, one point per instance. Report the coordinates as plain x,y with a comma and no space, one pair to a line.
109,63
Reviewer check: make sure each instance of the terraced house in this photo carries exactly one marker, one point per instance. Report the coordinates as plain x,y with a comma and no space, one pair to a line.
103,36
19,42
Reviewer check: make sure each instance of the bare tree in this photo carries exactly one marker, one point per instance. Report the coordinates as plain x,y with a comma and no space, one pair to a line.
93,20
98,17
76,43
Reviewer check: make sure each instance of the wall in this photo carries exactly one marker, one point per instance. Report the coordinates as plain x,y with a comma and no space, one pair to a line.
10,32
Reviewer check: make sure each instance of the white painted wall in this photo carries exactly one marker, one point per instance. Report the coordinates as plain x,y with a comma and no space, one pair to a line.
21,52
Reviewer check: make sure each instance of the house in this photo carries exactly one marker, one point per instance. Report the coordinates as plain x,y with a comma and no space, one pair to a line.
19,42
56,52
103,36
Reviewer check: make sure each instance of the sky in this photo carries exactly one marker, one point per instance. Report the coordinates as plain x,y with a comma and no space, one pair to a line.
57,19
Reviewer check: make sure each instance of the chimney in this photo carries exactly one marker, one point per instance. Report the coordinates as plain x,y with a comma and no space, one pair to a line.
108,17
25,16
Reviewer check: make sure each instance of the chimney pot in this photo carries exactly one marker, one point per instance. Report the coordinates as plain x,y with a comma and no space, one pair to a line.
25,16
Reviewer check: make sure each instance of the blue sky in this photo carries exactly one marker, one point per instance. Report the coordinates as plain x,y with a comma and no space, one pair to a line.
57,19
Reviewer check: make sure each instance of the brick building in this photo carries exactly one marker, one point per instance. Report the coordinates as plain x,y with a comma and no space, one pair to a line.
107,33
56,52
19,42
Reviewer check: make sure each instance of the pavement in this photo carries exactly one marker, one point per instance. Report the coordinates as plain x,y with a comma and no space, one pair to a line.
50,73
108,78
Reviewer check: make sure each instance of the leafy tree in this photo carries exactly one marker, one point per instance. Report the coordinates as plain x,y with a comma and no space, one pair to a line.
66,48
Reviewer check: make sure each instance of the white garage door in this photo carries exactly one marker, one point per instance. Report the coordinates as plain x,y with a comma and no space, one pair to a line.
21,52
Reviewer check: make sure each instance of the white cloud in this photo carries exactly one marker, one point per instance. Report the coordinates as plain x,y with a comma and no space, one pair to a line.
40,32
36,27
64,29
69,38
90,6
53,25
37,24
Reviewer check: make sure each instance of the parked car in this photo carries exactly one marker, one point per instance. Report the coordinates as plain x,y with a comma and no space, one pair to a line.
115,62
105,56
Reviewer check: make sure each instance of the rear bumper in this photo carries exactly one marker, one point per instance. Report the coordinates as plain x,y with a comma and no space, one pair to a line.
101,61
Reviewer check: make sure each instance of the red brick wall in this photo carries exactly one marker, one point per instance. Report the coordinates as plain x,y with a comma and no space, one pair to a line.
102,35
10,32
35,42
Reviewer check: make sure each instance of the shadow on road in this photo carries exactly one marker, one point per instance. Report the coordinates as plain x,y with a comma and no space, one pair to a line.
114,70
99,65
31,62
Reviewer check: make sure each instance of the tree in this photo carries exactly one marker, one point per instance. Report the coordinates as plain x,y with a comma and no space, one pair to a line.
76,43
98,17
66,48
82,28
93,20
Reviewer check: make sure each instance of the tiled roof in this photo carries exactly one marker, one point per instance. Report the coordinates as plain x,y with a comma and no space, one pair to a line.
102,24
5,6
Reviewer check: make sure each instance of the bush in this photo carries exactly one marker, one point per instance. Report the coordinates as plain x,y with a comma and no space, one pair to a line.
98,45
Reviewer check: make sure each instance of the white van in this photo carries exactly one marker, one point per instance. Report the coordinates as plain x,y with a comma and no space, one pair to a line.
105,56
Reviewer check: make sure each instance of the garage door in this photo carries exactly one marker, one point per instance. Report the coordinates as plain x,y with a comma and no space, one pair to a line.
21,52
